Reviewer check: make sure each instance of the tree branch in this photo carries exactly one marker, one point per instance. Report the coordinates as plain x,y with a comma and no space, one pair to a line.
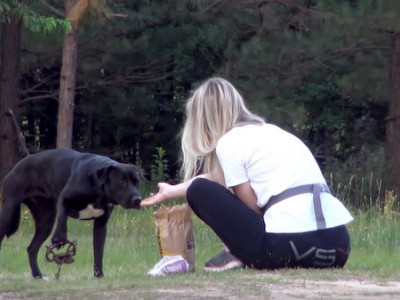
53,96
286,3
53,9
118,15
33,89
345,51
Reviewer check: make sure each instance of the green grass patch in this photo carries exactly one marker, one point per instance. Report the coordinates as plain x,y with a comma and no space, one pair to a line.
131,250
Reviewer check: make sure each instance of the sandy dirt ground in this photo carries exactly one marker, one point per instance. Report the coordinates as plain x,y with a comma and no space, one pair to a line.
275,286
340,289
264,286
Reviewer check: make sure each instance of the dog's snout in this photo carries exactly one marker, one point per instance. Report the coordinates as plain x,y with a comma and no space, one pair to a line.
134,202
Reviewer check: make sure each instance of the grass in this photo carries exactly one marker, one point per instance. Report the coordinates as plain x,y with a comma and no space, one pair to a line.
131,250
376,243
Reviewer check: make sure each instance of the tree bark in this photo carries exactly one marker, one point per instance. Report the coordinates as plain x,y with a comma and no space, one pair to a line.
10,74
66,100
393,120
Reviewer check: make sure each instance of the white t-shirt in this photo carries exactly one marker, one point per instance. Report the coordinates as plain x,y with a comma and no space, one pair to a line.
273,160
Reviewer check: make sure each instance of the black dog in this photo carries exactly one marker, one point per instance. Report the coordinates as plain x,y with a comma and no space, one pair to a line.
65,183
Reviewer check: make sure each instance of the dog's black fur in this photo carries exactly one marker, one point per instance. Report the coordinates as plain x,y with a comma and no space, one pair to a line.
62,183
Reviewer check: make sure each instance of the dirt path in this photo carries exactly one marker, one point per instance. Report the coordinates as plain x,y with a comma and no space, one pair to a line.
341,289
265,285
276,286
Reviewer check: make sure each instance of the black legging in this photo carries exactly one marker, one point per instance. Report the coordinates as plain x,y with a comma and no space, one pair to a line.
243,232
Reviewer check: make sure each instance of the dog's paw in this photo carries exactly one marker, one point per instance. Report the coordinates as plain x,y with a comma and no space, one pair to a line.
98,274
45,278
58,241
42,277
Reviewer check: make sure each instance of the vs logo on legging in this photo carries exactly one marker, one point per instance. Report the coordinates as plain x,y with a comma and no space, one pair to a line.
319,257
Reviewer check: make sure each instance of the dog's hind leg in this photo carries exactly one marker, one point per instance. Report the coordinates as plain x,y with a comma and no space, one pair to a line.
44,214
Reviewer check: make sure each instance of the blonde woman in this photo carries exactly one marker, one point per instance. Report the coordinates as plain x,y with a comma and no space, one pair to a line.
257,186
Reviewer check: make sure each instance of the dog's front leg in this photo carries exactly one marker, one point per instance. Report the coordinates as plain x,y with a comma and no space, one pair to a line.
60,234
99,238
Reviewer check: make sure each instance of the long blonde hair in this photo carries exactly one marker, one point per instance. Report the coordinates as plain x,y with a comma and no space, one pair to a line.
214,108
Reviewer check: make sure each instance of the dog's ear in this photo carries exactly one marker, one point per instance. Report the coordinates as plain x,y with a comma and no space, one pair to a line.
98,178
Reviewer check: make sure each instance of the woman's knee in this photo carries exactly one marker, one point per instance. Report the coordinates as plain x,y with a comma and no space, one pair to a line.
196,190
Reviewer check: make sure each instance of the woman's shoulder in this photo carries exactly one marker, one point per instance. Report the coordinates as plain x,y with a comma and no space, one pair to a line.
249,127
241,134
257,134
250,130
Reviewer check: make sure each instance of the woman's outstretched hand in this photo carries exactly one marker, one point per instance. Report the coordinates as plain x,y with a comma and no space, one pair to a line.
164,192
168,191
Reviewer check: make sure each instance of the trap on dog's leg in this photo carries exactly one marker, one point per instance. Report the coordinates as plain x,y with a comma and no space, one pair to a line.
61,257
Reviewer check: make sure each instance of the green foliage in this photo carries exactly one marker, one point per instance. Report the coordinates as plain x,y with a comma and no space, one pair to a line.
358,182
159,168
319,69
4,9
41,24
32,20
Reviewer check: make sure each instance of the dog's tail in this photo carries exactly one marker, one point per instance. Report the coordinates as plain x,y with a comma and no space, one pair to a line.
10,211
14,221
10,216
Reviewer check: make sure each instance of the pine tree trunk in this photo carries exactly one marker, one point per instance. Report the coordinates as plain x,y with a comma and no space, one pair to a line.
393,120
9,94
66,100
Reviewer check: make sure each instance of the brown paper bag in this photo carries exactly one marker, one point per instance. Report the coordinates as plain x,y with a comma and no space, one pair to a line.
175,232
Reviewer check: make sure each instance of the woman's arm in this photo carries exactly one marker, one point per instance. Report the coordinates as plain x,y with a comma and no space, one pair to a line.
168,191
246,193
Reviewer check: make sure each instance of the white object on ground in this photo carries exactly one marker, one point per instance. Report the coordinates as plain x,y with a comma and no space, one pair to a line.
169,265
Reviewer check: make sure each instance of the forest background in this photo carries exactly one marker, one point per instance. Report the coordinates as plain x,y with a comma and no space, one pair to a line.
114,77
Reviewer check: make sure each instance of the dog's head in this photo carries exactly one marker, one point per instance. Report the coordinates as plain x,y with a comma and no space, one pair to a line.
119,183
